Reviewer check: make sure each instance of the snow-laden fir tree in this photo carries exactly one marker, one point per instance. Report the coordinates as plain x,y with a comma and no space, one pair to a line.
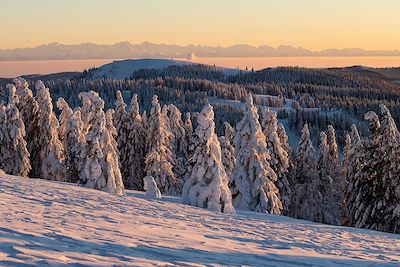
228,151
284,139
14,155
354,156
66,113
159,157
229,132
253,178
101,167
120,120
144,119
373,202
304,160
190,139
367,190
338,186
111,128
179,146
328,212
346,156
29,112
51,156
207,186
133,152
333,167
306,200
389,218
72,138
279,157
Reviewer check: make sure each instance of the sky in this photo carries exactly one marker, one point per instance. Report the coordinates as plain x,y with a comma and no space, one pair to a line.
312,24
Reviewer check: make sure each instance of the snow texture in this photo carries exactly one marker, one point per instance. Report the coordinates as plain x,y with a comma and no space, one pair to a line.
45,223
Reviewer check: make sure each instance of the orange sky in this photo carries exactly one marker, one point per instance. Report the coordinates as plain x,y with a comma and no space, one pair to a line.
312,24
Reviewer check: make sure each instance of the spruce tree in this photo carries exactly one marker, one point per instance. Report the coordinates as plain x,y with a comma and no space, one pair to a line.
73,139
120,120
253,178
207,186
51,157
279,157
306,200
101,167
134,151
328,205
14,155
228,151
284,139
179,145
29,112
159,157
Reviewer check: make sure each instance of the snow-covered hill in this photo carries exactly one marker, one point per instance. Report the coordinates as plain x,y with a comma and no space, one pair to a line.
47,223
125,68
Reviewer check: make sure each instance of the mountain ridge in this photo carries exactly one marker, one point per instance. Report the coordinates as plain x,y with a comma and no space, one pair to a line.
57,51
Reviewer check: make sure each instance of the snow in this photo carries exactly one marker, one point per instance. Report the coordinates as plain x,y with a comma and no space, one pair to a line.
123,69
53,223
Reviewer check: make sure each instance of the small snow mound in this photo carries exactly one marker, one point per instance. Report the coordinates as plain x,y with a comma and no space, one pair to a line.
152,191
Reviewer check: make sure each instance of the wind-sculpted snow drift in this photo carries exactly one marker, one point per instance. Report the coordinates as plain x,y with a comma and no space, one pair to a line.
53,223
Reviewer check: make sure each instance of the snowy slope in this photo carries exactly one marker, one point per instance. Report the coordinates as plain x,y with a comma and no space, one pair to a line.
125,68
46,223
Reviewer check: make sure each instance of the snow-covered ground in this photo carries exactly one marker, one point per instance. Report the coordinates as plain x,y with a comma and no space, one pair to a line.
47,223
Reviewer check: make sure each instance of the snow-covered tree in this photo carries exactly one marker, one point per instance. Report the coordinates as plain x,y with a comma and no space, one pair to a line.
228,151
373,193
346,156
120,120
279,161
133,152
111,129
14,155
306,198
29,112
284,139
50,153
354,165
326,187
387,212
304,160
207,186
179,146
333,156
253,178
101,167
73,139
152,192
159,157
229,132
65,115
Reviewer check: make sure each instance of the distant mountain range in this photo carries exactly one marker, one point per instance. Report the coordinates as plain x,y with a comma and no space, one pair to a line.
123,50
